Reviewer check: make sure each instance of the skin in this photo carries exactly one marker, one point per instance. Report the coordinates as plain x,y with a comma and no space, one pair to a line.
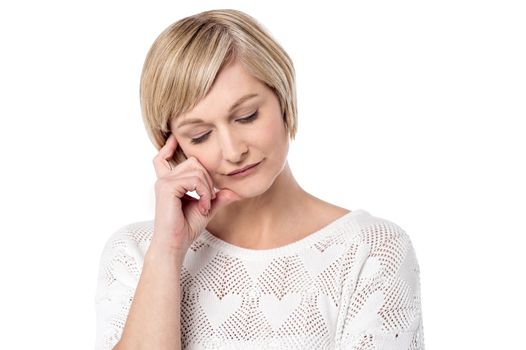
274,209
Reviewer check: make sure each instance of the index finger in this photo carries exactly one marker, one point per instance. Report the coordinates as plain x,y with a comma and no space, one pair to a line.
165,153
169,147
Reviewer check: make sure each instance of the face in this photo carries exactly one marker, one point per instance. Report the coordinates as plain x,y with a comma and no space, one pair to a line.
239,123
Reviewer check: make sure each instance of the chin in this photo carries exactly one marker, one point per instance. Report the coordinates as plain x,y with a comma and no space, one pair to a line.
249,188
247,191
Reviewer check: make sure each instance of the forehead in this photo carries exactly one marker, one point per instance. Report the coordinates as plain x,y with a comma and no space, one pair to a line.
232,82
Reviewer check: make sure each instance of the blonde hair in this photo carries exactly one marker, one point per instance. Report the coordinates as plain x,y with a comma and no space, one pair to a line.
183,62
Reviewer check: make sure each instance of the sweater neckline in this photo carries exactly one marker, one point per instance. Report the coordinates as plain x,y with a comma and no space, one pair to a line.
253,254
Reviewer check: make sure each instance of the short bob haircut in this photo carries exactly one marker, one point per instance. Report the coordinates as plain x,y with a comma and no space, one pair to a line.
184,60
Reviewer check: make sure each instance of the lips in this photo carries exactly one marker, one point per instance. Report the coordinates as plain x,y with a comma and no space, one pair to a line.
243,169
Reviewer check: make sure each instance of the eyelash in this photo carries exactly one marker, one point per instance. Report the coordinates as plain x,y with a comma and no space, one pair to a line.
246,120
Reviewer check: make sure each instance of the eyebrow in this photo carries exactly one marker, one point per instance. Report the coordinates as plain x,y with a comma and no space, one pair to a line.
234,106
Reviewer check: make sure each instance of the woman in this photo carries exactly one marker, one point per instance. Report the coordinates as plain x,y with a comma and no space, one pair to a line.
256,261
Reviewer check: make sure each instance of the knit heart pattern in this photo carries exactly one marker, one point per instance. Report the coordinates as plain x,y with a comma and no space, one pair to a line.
277,311
218,310
316,261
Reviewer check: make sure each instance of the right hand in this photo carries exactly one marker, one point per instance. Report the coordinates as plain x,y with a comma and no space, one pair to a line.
180,218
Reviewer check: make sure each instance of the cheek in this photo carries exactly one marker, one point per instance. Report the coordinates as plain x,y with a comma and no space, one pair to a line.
210,162
275,133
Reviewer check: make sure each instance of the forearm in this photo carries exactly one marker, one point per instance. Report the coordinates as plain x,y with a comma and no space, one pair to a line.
154,317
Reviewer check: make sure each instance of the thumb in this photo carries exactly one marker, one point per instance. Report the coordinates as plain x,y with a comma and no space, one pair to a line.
223,198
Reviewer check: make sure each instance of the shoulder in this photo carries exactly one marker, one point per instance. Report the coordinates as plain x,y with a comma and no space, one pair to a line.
377,236
384,246
360,226
130,239
138,232
382,285
373,230
122,257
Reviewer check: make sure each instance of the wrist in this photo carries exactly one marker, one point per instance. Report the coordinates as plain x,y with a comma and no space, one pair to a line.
162,252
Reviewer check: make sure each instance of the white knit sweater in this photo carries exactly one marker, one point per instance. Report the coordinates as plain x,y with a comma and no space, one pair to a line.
354,284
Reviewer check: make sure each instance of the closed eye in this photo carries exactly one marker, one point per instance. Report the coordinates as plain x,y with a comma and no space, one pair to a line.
245,120
249,119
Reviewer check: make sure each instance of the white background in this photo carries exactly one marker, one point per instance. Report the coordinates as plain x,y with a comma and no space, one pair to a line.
411,110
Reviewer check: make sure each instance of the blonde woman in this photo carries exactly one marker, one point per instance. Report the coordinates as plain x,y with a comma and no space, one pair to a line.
255,262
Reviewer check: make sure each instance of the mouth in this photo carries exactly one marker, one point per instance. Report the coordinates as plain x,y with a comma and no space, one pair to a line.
245,170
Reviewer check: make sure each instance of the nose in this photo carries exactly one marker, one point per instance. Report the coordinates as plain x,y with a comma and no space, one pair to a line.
234,149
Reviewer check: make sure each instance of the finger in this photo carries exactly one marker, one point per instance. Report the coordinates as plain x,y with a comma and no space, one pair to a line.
196,183
190,198
180,186
206,175
210,182
224,198
201,174
161,160
169,147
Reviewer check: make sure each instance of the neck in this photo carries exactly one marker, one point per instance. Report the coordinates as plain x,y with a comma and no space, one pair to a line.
266,220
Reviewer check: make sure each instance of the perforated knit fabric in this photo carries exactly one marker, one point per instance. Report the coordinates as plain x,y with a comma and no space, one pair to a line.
354,284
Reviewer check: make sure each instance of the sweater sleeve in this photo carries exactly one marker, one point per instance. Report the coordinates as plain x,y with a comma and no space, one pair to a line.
119,271
383,309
